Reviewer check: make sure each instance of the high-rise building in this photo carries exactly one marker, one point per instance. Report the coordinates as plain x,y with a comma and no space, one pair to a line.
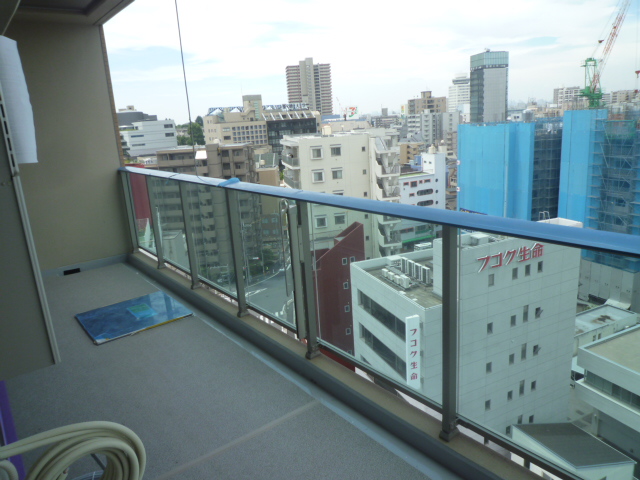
311,84
568,98
458,93
489,86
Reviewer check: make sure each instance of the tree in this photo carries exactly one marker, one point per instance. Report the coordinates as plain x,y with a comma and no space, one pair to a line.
200,121
198,134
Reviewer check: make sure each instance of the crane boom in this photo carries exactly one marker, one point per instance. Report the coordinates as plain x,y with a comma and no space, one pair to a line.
594,67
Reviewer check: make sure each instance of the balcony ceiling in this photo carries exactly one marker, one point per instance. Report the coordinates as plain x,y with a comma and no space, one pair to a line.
83,12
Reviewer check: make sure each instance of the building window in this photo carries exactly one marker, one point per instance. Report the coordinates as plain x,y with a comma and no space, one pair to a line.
321,221
521,390
510,395
519,419
414,184
513,320
512,358
538,312
365,194
383,351
345,285
347,308
352,259
338,192
525,313
318,176
336,174
523,352
488,367
491,279
487,405
533,386
316,153
514,274
340,219
489,328
381,314
428,191
426,203
530,418
527,270
540,267
169,134
227,137
168,125
363,149
345,261
336,151
508,430
364,172
536,350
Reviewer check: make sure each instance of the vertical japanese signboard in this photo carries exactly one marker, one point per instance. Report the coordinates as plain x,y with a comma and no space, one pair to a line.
412,329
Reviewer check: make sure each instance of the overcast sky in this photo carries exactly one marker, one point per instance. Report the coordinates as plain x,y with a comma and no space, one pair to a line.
381,54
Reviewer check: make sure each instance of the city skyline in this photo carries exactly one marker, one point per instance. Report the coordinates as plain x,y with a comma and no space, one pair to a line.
545,53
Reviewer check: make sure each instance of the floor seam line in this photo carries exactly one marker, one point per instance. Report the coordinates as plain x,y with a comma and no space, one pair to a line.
258,431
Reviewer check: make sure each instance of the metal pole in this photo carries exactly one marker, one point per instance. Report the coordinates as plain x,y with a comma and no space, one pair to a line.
304,244
155,223
449,333
188,232
237,249
131,212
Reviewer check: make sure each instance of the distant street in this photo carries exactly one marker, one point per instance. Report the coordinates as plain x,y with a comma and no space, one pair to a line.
269,295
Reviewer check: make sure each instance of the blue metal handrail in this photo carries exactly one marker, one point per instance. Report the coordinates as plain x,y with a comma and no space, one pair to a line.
610,242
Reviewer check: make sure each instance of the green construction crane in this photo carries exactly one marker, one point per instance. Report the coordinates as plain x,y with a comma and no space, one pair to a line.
593,68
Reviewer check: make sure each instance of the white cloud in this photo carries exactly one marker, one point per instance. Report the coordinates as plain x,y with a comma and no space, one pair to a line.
378,55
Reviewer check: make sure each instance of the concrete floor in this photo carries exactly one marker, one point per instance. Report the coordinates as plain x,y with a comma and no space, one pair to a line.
205,403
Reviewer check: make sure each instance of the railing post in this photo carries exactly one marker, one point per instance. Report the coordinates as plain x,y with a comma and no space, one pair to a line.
155,222
449,333
188,232
236,248
131,212
302,261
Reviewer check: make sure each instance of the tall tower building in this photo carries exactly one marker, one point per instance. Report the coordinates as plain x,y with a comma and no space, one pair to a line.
311,83
458,92
489,86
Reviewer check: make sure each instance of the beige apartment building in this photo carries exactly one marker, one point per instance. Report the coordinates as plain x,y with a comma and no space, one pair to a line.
427,103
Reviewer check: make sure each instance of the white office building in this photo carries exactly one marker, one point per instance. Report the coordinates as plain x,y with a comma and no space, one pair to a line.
517,310
145,138
358,164
459,93
612,387
425,187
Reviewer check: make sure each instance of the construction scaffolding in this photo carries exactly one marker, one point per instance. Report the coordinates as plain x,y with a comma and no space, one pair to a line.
546,168
614,199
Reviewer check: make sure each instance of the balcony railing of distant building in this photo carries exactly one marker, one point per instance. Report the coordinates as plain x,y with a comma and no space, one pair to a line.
277,280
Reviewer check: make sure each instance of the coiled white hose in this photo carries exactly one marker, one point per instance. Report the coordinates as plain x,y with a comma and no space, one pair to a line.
126,457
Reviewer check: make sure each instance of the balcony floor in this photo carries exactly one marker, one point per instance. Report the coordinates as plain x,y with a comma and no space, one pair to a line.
206,403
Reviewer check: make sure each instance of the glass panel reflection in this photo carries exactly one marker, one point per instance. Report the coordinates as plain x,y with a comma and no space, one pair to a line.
376,297
266,255
212,236
166,195
143,218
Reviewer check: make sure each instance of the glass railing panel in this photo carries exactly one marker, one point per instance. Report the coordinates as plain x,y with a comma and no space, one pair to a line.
534,319
266,255
209,221
376,297
142,212
168,205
